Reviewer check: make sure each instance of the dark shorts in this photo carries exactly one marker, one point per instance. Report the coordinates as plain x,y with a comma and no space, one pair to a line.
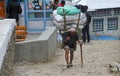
71,49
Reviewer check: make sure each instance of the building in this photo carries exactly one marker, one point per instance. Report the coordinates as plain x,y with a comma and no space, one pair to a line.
35,14
105,22
105,16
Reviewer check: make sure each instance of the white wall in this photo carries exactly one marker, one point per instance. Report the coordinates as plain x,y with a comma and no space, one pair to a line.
6,29
105,31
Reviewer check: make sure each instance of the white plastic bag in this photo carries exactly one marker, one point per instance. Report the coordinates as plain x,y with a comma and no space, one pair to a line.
59,40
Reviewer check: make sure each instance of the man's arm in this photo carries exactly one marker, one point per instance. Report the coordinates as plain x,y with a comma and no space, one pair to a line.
20,9
78,40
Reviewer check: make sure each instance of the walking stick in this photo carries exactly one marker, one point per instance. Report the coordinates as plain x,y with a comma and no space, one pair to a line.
81,55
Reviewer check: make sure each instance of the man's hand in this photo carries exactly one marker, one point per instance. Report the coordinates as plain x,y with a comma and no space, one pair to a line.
67,38
80,43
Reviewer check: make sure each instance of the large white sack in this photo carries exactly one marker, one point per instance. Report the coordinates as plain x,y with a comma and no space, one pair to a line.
54,12
61,25
69,18
60,18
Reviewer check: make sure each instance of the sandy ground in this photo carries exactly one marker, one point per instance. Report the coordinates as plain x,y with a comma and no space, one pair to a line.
97,56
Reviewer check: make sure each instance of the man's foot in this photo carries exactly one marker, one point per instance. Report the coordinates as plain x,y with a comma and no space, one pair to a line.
68,65
110,66
71,65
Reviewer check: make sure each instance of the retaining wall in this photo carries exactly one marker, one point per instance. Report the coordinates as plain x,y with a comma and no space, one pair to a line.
7,46
38,50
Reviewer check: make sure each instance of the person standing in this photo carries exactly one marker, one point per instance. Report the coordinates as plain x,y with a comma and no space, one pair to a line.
53,6
69,41
62,3
85,30
13,10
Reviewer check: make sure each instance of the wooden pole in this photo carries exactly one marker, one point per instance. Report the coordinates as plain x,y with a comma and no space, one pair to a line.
78,22
81,55
65,27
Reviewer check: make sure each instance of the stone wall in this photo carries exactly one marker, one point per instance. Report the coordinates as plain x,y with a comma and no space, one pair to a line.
8,62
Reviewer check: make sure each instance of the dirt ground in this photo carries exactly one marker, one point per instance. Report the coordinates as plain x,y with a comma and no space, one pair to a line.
96,55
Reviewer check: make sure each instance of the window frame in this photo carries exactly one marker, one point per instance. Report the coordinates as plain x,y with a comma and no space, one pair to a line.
101,12
116,11
96,29
44,17
111,28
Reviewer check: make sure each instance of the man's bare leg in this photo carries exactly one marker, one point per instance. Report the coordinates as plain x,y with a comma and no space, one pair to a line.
67,55
71,57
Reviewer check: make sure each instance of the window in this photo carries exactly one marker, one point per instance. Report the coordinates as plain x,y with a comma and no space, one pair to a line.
38,4
105,12
48,14
36,9
37,13
117,11
97,25
112,23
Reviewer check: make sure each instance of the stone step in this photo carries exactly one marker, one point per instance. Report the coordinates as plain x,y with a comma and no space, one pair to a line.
20,33
21,27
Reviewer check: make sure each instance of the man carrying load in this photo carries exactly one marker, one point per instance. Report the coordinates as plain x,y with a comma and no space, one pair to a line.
69,40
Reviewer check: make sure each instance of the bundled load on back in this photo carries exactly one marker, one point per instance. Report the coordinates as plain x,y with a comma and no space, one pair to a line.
68,10
68,16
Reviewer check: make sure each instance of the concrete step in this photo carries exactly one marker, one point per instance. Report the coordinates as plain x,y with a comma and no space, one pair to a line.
20,33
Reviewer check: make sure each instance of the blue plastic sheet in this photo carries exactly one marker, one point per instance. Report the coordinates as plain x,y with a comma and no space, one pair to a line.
102,37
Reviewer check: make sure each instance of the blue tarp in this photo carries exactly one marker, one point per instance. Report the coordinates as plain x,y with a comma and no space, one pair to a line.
102,37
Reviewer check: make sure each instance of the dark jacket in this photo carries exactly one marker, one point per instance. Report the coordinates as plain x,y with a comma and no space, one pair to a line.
13,10
88,16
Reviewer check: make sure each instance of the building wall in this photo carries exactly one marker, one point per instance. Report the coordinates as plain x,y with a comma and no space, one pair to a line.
111,14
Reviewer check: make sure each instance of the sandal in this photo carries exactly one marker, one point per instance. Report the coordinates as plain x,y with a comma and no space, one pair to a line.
71,65
68,65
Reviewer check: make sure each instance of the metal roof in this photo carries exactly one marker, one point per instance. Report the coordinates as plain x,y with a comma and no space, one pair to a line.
101,4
